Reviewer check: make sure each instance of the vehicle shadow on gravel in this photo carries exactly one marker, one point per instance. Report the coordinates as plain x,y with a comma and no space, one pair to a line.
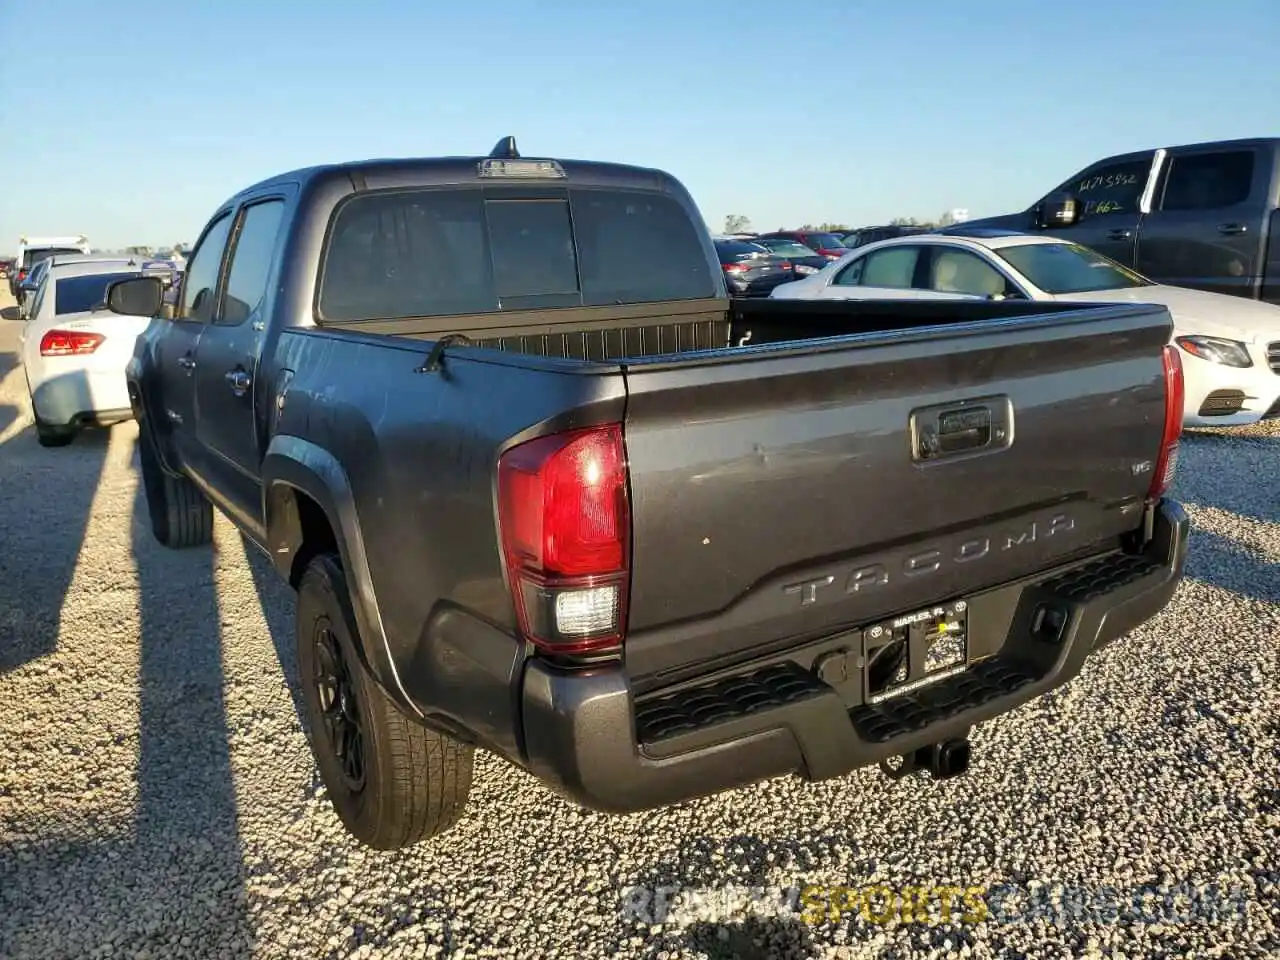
172,881
277,602
186,809
8,412
1222,562
43,535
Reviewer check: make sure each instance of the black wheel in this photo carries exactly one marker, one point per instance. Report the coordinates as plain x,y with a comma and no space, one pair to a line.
48,435
392,781
181,516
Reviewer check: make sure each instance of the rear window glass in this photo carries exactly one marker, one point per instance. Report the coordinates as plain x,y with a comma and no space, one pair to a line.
32,257
825,241
735,248
426,253
81,294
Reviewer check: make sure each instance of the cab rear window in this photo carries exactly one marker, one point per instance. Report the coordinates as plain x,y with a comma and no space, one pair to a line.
427,253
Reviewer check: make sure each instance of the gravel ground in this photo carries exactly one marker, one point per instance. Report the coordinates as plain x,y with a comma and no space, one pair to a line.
157,797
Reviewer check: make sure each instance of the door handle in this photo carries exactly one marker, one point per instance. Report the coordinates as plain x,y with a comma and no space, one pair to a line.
1119,234
1232,229
240,381
187,362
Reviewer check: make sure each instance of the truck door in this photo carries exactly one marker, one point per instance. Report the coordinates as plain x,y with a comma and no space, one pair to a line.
1209,211
1110,196
176,350
227,366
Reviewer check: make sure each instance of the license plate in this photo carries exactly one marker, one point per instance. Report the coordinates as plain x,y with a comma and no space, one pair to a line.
914,650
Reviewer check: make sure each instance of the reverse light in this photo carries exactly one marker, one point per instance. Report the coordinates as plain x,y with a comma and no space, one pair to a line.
1230,353
69,343
1174,397
565,523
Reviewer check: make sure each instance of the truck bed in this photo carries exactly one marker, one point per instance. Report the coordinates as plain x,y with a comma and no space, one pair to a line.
617,334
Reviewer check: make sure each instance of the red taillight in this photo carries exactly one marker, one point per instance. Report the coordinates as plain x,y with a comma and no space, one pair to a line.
565,523
1174,397
734,267
67,343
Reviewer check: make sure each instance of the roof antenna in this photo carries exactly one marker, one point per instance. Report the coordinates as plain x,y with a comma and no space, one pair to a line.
505,149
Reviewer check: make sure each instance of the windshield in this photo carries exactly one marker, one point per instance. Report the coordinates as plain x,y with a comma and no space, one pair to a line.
30,257
1069,268
82,294
788,248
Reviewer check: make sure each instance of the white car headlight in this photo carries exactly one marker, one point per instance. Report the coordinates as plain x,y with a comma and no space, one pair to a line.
1229,353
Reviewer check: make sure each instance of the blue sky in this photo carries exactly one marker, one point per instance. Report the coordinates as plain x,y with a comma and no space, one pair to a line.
129,123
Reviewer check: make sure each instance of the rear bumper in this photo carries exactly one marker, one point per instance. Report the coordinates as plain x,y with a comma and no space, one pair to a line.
587,737
82,397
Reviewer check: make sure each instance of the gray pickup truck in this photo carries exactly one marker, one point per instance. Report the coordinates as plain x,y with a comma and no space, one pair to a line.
1199,215
543,489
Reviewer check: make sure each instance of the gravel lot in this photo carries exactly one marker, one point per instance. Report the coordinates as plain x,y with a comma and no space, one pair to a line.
157,797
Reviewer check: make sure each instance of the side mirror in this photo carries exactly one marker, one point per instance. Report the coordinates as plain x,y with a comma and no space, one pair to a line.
1057,210
136,297
10,313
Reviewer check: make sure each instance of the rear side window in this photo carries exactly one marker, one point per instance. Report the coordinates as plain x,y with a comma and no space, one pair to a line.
426,253
894,268
1208,181
82,294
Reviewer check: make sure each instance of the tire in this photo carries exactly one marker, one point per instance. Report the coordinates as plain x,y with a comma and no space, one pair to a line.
48,435
405,782
181,516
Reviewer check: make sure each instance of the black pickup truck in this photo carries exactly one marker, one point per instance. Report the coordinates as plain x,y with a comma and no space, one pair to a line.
543,489
1200,215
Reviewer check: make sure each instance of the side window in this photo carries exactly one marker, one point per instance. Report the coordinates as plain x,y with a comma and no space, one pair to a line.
251,259
894,267
959,271
1207,181
201,281
1113,188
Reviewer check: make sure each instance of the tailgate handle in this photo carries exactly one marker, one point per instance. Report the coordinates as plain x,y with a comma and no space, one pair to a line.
977,426
964,429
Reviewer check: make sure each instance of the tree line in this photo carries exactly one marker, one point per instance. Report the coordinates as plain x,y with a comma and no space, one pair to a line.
737,223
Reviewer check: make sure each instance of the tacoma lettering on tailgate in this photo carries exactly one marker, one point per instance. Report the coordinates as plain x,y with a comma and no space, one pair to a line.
967,548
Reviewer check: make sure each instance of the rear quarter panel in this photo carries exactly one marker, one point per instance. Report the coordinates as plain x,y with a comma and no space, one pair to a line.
419,452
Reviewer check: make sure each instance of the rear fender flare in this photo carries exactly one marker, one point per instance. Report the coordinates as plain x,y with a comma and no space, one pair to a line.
292,466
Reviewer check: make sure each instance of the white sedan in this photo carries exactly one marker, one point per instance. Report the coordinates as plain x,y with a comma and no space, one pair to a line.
74,351
1230,345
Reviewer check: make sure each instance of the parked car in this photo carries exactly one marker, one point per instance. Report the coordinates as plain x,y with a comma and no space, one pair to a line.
6,267
803,260
1231,345
826,244
860,238
549,493
31,250
1201,215
33,279
750,269
74,350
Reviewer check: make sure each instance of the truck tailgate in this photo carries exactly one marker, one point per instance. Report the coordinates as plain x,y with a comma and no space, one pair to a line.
783,493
